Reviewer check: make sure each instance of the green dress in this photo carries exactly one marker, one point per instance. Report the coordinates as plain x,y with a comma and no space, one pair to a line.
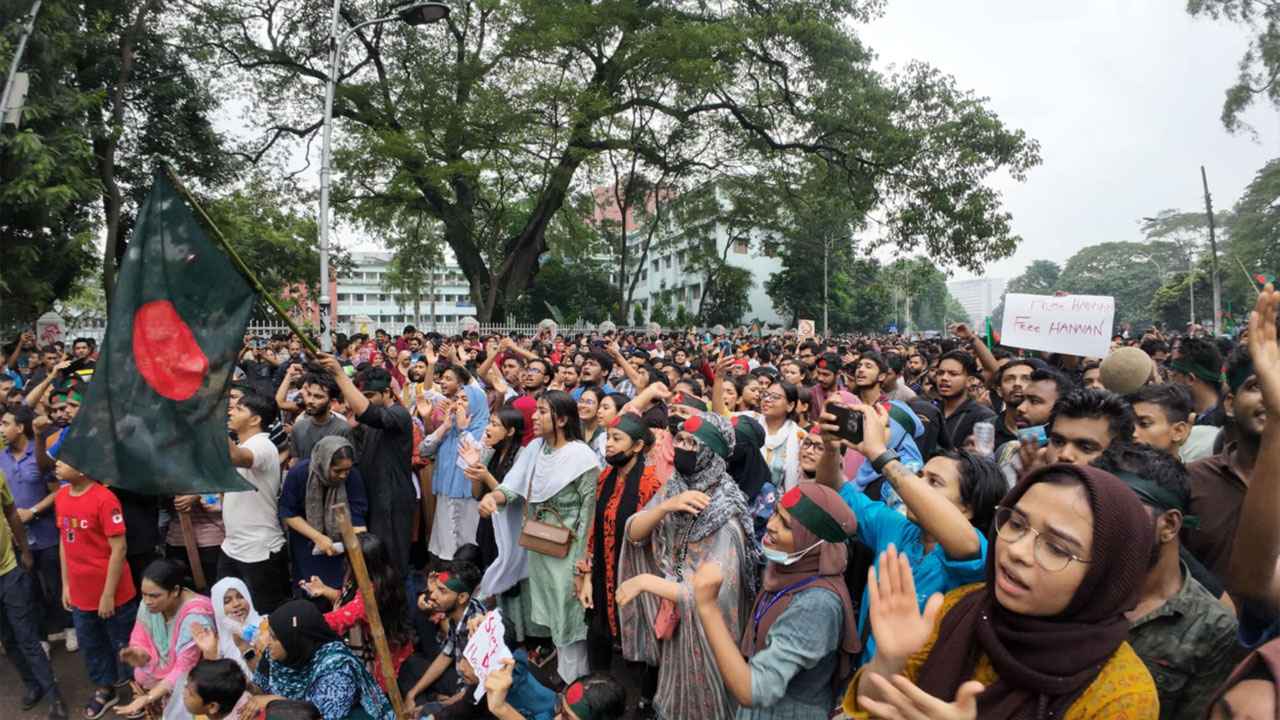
551,601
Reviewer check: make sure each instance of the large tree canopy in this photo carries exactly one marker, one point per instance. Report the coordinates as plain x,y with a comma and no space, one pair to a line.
485,122
1259,75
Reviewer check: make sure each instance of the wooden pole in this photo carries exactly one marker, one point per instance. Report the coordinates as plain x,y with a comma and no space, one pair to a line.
193,554
1213,250
1252,283
236,260
372,617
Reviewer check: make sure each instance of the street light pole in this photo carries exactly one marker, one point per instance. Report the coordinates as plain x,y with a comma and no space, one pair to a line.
17,57
419,13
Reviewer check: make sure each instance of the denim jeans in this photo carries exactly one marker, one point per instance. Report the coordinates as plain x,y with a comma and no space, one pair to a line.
102,639
20,630
48,575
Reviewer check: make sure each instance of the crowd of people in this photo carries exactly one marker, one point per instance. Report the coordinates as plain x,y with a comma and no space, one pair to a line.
710,525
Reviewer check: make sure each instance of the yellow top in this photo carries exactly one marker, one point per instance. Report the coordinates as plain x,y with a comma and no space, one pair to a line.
1122,691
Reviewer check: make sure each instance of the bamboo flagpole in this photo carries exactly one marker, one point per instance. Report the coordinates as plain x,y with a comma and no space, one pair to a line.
193,552
371,614
236,260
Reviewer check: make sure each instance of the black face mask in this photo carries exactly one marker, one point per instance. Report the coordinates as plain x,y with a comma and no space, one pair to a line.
686,461
618,459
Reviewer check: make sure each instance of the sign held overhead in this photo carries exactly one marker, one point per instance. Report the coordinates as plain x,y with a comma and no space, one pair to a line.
1068,324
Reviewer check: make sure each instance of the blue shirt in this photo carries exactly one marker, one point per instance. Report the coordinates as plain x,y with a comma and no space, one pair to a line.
293,503
934,572
29,486
607,389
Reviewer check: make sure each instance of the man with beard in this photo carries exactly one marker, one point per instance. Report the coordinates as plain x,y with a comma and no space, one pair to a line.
1219,483
959,412
567,376
1011,382
384,448
868,377
537,373
917,364
595,373
1184,635
318,421
825,373
894,385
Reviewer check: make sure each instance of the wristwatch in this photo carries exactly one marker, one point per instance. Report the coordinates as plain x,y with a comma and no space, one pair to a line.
883,459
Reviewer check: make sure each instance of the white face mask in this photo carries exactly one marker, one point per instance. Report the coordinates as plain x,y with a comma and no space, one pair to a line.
781,558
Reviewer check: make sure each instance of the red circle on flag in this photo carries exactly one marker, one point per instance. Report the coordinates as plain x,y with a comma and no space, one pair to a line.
166,352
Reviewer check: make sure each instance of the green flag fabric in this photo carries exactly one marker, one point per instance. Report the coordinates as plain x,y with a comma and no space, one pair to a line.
154,420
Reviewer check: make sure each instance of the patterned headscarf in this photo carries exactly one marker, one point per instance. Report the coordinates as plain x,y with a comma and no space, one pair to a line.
711,476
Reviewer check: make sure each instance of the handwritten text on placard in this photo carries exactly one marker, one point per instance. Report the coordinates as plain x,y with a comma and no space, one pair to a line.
1070,324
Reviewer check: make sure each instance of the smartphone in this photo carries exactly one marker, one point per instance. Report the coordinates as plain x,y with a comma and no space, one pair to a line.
849,422
1035,432
726,348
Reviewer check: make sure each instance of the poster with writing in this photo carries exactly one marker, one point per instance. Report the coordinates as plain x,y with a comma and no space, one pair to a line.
1069,324
485,648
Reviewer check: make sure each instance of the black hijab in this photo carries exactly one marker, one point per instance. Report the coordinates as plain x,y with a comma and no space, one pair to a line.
301,629
746,464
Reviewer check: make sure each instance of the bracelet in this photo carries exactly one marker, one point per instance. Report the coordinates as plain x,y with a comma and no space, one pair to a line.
886,457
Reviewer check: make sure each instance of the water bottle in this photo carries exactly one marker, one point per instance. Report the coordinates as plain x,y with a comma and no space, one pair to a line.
984,439
890,497
249,633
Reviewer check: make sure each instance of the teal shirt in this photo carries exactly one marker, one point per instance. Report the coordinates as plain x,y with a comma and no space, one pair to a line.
934,572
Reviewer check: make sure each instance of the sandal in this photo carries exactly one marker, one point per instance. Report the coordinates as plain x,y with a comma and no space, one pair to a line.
103,700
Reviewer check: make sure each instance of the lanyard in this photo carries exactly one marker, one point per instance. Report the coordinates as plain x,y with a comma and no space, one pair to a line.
766,607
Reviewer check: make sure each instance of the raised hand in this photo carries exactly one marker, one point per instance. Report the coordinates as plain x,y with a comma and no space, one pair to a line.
903,699
1264,348
706,582
689,501
900,629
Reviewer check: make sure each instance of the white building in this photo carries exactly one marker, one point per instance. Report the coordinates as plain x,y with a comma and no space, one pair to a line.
666,272
361,294
978,297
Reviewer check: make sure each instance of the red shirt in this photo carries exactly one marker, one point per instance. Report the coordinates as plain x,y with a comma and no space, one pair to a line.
84,523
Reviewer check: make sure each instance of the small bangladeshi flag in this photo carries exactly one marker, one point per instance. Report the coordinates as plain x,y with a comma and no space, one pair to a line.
154,419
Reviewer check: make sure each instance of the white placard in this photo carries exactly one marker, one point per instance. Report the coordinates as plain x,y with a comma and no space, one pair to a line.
1069,324
805,329
50,328
485,648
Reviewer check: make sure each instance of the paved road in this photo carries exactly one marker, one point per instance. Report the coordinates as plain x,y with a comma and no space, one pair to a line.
72,678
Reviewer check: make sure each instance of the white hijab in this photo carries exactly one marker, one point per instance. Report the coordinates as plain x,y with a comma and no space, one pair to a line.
228,629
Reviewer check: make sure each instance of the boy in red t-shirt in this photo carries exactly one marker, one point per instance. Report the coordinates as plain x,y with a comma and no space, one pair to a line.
96,585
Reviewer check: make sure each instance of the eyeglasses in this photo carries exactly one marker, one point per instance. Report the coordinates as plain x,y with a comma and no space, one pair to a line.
772,396
1012,525
811,445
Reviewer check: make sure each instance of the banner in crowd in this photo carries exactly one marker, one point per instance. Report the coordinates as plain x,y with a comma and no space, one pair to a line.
486,648
1069,324
154,420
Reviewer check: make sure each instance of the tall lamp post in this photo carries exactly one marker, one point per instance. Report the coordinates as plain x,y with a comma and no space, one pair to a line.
418,13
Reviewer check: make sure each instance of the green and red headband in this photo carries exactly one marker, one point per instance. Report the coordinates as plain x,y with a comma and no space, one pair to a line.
632,425
453,582
1187,367
813,516
707,434
575,698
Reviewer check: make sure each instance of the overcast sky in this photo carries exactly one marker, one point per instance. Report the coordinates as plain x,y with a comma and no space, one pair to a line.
1123,95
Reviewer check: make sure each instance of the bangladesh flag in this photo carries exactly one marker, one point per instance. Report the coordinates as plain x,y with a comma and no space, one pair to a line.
993,335
154,420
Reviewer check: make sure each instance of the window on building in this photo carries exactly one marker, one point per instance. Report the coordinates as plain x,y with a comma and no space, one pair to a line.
694,291
382,297
343,297
740,246
654,264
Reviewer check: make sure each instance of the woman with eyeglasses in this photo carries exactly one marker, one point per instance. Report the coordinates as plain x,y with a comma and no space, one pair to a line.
1043,637
946,508
699,514
778,407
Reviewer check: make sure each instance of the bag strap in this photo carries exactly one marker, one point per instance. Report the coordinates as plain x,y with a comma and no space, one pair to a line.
533,470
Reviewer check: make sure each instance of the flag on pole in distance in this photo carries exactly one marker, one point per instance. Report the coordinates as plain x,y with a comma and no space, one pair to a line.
154,420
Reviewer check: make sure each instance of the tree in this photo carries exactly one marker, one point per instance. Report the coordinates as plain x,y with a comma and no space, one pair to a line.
485,121
726,290
276,239
1040,278
416,254
574,288
1130,272
1260,66
111,90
